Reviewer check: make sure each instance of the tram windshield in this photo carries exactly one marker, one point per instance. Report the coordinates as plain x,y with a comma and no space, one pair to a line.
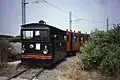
27,34
41,35
37,35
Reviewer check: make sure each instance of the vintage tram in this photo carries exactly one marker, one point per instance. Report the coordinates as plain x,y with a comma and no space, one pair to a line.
44,44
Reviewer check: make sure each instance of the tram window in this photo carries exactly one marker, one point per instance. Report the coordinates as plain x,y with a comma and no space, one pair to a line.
37,33
74,39
27,34
41,33
82,39
65,38
58,37
55,36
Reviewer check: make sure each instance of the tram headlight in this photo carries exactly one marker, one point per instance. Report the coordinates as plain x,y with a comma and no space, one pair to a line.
45,51
31,46
23,50
23,46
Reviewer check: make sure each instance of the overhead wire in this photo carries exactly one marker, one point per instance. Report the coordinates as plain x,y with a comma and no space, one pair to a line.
78,19
89,20
55,6
37,1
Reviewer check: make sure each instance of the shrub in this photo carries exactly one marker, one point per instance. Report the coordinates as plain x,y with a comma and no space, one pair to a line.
7,52
93,53
4,46
102,51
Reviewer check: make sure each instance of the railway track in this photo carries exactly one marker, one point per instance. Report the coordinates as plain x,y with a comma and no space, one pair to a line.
27,74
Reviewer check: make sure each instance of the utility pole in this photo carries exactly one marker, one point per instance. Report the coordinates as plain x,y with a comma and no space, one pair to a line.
23,12
70,27
107,24
70,20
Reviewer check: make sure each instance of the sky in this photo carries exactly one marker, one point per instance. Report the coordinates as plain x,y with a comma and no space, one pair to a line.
87,10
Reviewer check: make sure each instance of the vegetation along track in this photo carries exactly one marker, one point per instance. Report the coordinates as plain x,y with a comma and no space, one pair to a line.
27,74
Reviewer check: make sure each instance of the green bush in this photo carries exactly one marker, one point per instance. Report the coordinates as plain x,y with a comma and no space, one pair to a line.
103,51
4,45
15,40
7,52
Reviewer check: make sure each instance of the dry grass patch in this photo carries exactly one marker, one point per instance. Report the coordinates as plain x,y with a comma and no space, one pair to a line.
76,72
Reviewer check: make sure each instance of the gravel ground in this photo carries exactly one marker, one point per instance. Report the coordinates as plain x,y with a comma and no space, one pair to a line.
9,69
49,74
53,73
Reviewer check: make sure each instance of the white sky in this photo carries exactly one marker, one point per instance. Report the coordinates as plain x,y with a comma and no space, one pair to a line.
95,10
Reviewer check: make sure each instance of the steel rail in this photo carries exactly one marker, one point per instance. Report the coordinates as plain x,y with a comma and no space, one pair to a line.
16,75
36,75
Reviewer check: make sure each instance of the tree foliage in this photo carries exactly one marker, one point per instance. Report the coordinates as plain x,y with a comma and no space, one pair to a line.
11,38
103,51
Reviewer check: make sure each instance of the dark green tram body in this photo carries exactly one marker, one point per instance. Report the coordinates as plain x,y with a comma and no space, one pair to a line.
42,44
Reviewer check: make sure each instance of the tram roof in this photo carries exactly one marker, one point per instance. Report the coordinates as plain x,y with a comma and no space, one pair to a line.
38,26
